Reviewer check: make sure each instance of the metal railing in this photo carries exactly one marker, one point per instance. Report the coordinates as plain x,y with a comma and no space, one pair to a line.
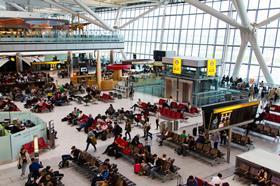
63,37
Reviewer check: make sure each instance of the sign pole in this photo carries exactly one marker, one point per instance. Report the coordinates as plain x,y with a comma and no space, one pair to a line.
229,144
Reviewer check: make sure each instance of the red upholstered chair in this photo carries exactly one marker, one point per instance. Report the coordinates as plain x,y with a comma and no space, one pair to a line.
42,143
174,105
181,106
28,148
161,101
144,105
200,182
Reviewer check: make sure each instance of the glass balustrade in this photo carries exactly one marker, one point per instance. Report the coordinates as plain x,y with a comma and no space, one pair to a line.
65,37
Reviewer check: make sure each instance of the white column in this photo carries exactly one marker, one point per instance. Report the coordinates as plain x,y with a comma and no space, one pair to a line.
243,46
19,65
259,56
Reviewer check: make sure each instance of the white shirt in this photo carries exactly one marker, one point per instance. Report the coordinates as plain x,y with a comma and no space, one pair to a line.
157,115
216,180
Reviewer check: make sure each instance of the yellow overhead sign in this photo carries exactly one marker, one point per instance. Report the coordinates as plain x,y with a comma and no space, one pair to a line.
235,107
177,66
211,67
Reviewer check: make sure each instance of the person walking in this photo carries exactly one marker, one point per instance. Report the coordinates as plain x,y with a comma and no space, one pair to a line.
157,119
128,128
23,161
147,133
91,139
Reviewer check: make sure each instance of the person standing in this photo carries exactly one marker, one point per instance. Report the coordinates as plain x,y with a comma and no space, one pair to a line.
157,119
128,128
147,133
91,139
23,161
216,139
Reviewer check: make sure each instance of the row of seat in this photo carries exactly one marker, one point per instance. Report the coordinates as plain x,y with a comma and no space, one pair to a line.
275,108
89,166
267,130
241,139
171,114
272,117
207,151
179,106
249,172
106,98
29,147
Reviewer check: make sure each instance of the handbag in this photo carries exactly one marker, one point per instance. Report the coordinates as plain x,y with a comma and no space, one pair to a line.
19,166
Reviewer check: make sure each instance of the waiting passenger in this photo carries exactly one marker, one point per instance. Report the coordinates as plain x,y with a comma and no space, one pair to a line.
217,180
191,181
165,134
262,177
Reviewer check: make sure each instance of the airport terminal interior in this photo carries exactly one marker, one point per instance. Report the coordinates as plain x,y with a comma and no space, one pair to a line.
139,92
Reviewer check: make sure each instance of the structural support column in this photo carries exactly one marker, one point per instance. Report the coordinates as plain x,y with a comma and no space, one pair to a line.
98,70
259,56
243,46
229,144
88,10
123,54
70,63
162,28
112,59
19,65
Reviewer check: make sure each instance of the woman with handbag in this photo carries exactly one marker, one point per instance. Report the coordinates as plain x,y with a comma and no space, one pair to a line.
91,139
23,161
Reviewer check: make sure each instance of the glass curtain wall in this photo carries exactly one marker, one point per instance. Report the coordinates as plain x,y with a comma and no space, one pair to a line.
191,32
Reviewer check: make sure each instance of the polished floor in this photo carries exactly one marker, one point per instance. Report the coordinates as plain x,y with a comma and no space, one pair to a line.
69,136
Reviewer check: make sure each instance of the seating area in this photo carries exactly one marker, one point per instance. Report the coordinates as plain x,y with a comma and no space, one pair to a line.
168,113
42,106
106,98
6,105
142,159
89,166
250,173
242,141
272,117
180,107
275,108
266,130
188,146
30,146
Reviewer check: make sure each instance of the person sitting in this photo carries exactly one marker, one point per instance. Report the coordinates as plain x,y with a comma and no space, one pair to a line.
183,137
157,167
262,177
201,139
217,180
191,181
164,134
114,149
87,124
110,111
135,141
101,176
137,105
74,154
117,130
191,143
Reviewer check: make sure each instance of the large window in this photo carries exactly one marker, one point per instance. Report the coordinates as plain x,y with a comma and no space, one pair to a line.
191,32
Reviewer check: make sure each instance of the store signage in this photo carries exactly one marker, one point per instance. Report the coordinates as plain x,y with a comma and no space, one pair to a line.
211,67
177,66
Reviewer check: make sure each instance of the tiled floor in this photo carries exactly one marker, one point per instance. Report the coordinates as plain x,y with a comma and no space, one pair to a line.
68,136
